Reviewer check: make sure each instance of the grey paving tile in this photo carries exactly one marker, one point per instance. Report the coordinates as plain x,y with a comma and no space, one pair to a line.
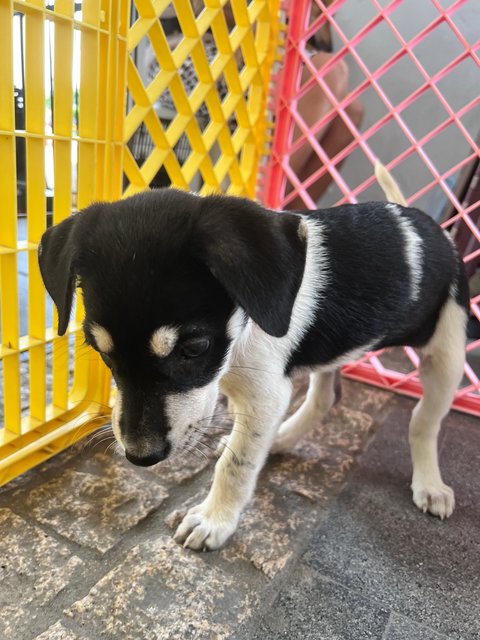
270,530
404,629
313,608
318,465
95,504
376,542
23,481
58,632
322,459
34,568
163,592
364,397
354,395
186,467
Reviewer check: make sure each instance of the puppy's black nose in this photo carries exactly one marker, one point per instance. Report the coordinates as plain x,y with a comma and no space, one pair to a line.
148,461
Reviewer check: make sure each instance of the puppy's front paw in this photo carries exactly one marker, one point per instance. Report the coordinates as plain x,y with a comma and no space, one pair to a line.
438,499
204,528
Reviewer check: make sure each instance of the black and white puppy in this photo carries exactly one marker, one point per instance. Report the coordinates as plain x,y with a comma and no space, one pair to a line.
187,295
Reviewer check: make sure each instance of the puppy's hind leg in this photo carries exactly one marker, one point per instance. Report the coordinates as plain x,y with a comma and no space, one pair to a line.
441,370
323,391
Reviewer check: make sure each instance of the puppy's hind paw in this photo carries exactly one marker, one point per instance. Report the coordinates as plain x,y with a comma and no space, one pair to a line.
205,530
284,442
437,499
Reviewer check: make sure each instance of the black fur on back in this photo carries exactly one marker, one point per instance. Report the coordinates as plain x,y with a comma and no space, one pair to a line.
367,298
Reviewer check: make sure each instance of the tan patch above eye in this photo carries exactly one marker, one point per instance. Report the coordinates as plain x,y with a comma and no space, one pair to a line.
163,341
102,338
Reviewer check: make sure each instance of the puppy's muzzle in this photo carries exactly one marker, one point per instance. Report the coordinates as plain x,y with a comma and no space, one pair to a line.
152,458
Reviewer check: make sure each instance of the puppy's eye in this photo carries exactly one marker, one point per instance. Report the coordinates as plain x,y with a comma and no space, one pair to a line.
194,347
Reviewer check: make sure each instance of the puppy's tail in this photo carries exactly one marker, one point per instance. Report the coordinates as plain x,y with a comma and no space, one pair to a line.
389,185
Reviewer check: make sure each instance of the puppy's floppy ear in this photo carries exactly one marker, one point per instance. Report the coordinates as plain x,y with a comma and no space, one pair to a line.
55,258
257,255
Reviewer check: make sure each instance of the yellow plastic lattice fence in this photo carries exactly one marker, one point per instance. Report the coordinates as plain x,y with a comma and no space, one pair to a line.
75,94
221,115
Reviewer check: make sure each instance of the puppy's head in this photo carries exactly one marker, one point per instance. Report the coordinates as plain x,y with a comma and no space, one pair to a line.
169,280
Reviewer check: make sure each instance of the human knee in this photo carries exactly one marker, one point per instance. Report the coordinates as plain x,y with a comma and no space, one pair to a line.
337,77
356,112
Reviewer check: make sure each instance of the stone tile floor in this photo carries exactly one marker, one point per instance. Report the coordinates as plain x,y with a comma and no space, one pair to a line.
330,548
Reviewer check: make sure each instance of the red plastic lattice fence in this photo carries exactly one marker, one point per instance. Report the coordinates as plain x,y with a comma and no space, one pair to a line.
416,67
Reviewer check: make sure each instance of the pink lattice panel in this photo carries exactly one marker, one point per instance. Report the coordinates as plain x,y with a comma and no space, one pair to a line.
443,174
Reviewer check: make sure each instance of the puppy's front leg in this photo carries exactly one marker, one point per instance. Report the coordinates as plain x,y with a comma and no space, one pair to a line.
259,410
